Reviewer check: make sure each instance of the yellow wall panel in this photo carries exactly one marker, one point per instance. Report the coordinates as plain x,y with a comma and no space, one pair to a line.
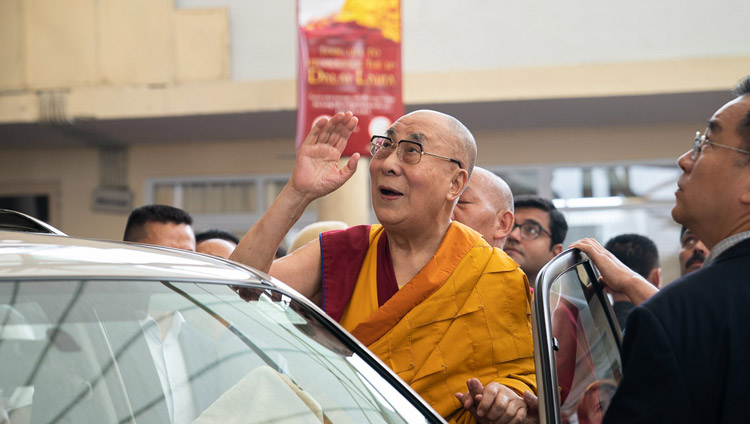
60,43
12,50
19,107
135,41
201,45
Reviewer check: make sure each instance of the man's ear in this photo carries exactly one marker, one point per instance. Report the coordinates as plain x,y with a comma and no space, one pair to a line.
504,224
458,184
556,249
654,277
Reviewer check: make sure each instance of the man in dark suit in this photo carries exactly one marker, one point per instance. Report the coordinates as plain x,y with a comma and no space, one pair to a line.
685,353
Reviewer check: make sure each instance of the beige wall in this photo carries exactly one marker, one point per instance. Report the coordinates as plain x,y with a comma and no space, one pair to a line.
120,59
49,44
144,58
75,170
581,145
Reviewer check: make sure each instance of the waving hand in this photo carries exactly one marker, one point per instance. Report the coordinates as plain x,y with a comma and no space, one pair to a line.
316,170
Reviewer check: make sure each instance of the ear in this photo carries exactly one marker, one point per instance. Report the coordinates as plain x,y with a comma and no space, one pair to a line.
556,249
504,224
654,277
458,184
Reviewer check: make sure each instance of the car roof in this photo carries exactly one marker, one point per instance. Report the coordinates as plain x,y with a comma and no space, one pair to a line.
16,221
37,256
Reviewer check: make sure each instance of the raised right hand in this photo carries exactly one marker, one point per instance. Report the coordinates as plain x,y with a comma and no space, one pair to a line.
316,169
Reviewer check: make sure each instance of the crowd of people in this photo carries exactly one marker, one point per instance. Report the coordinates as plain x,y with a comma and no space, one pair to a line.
440,288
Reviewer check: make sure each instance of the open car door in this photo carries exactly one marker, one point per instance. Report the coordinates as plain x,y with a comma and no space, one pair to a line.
577,341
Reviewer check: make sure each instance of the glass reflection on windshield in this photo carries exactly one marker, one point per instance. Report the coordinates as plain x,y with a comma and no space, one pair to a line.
140,351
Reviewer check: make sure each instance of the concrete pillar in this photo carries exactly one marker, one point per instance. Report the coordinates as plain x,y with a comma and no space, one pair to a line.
351,202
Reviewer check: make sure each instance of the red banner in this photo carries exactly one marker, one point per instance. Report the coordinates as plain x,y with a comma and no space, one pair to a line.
349,60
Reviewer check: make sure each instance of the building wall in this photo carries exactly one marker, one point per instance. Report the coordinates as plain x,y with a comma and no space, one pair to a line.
118,58
158,59
75,170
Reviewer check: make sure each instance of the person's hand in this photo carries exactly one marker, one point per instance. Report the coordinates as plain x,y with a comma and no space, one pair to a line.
494,403
614,274
532,408
316,169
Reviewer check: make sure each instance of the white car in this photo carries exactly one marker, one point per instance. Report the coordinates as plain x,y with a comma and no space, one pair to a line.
110,332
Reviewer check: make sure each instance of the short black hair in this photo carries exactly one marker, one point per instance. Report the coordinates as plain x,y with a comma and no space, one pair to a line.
139,217
216,234
558,226
743,127
638,252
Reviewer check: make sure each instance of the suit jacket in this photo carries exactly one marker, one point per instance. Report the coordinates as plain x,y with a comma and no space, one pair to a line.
686,353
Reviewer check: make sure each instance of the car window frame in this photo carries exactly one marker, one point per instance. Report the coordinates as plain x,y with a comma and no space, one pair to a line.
544,343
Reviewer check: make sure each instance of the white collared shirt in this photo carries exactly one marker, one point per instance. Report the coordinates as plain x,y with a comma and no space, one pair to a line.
170,365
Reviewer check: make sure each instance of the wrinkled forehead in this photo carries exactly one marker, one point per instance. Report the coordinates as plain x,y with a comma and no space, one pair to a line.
427,128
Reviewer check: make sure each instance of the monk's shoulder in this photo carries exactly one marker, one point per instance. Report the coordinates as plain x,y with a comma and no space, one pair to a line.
494,259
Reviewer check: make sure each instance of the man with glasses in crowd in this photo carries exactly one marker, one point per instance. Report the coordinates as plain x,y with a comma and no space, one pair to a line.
537,234
429,296
685,350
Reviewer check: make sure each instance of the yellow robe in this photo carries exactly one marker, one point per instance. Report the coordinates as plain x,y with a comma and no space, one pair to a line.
465,314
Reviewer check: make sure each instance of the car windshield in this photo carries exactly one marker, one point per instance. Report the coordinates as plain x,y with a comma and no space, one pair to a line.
153,352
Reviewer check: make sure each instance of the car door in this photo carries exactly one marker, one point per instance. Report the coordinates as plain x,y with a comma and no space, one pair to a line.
577,341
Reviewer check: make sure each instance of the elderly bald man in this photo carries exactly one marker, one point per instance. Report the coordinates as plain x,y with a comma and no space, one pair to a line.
427,295
486,206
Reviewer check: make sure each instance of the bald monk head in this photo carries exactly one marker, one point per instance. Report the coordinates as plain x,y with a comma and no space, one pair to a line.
487,207
415,189
216,242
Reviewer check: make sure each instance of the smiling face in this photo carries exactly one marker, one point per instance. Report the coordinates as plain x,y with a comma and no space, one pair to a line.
418,196
712,190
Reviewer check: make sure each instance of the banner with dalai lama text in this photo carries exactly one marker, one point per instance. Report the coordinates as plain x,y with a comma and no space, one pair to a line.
349,60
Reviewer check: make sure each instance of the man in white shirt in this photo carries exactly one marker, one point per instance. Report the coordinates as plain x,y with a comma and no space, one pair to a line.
164,345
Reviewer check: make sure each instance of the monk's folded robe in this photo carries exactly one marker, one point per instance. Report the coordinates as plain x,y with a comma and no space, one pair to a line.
465,314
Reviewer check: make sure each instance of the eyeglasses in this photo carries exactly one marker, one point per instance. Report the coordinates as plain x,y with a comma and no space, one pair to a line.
530,230
410,152
700,142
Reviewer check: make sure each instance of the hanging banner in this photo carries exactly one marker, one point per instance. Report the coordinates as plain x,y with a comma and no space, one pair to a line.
349,60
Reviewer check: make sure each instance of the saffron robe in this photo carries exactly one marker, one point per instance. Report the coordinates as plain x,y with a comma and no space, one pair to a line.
465,314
